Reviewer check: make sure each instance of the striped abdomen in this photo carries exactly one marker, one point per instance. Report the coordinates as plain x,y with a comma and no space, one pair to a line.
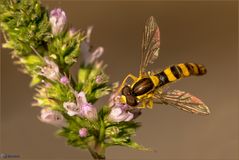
178,71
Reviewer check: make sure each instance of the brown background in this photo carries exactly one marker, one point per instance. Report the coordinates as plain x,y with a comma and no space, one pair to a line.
202,32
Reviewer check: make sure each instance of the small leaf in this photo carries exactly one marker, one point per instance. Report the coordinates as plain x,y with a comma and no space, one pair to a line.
35,80
83,75
137,146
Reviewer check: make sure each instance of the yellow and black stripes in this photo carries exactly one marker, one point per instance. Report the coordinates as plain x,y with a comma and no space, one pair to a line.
178,71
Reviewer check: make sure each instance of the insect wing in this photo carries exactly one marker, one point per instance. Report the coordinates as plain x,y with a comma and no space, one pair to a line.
184,101
150,44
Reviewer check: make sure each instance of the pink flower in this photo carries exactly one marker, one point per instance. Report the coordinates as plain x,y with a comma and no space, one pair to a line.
52,117
88,111
71,108
95,55
50,70
117,114
121,111
57,20
81,108
115,100
64,80
83,132
81,98
89,56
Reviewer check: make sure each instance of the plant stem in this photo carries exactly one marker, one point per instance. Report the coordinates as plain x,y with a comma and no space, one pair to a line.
98,152
97,149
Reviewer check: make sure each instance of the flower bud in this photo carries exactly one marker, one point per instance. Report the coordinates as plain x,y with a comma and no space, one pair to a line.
72,32
64,80
101,79
83,132
57,20
99,65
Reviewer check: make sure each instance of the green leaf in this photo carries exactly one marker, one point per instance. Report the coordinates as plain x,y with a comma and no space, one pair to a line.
83,74
104,111
35,80
135,145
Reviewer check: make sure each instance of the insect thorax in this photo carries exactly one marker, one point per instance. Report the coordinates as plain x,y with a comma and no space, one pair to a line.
142,86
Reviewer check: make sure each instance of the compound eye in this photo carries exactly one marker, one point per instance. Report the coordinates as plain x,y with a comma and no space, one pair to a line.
131,100
126,91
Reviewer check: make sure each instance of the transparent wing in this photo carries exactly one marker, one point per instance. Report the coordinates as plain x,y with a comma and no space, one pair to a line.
150,44
182,100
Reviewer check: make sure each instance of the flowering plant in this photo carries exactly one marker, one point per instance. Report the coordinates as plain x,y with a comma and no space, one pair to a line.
46,49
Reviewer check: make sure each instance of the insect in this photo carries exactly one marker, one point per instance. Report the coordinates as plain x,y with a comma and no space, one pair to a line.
148,88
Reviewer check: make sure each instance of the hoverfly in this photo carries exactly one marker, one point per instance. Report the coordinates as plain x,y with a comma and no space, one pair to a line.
147,89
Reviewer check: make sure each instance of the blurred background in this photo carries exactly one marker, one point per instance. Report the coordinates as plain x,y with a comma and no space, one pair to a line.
191,31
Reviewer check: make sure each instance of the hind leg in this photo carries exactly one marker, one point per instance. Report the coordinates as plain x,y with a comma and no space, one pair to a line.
146,101
143,105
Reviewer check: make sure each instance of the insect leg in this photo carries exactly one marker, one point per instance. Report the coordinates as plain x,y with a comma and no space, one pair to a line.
146,101
143,105
150,102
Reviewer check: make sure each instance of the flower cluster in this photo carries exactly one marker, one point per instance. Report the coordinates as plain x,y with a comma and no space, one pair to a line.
67,101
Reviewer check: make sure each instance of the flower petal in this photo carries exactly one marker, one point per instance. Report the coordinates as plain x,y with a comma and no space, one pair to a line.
89,111
50,70
117,114
96,54
88,34
72,108
52,117
130,116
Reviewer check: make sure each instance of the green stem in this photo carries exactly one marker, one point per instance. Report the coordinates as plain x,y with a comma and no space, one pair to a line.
97,149
102,131
98,152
